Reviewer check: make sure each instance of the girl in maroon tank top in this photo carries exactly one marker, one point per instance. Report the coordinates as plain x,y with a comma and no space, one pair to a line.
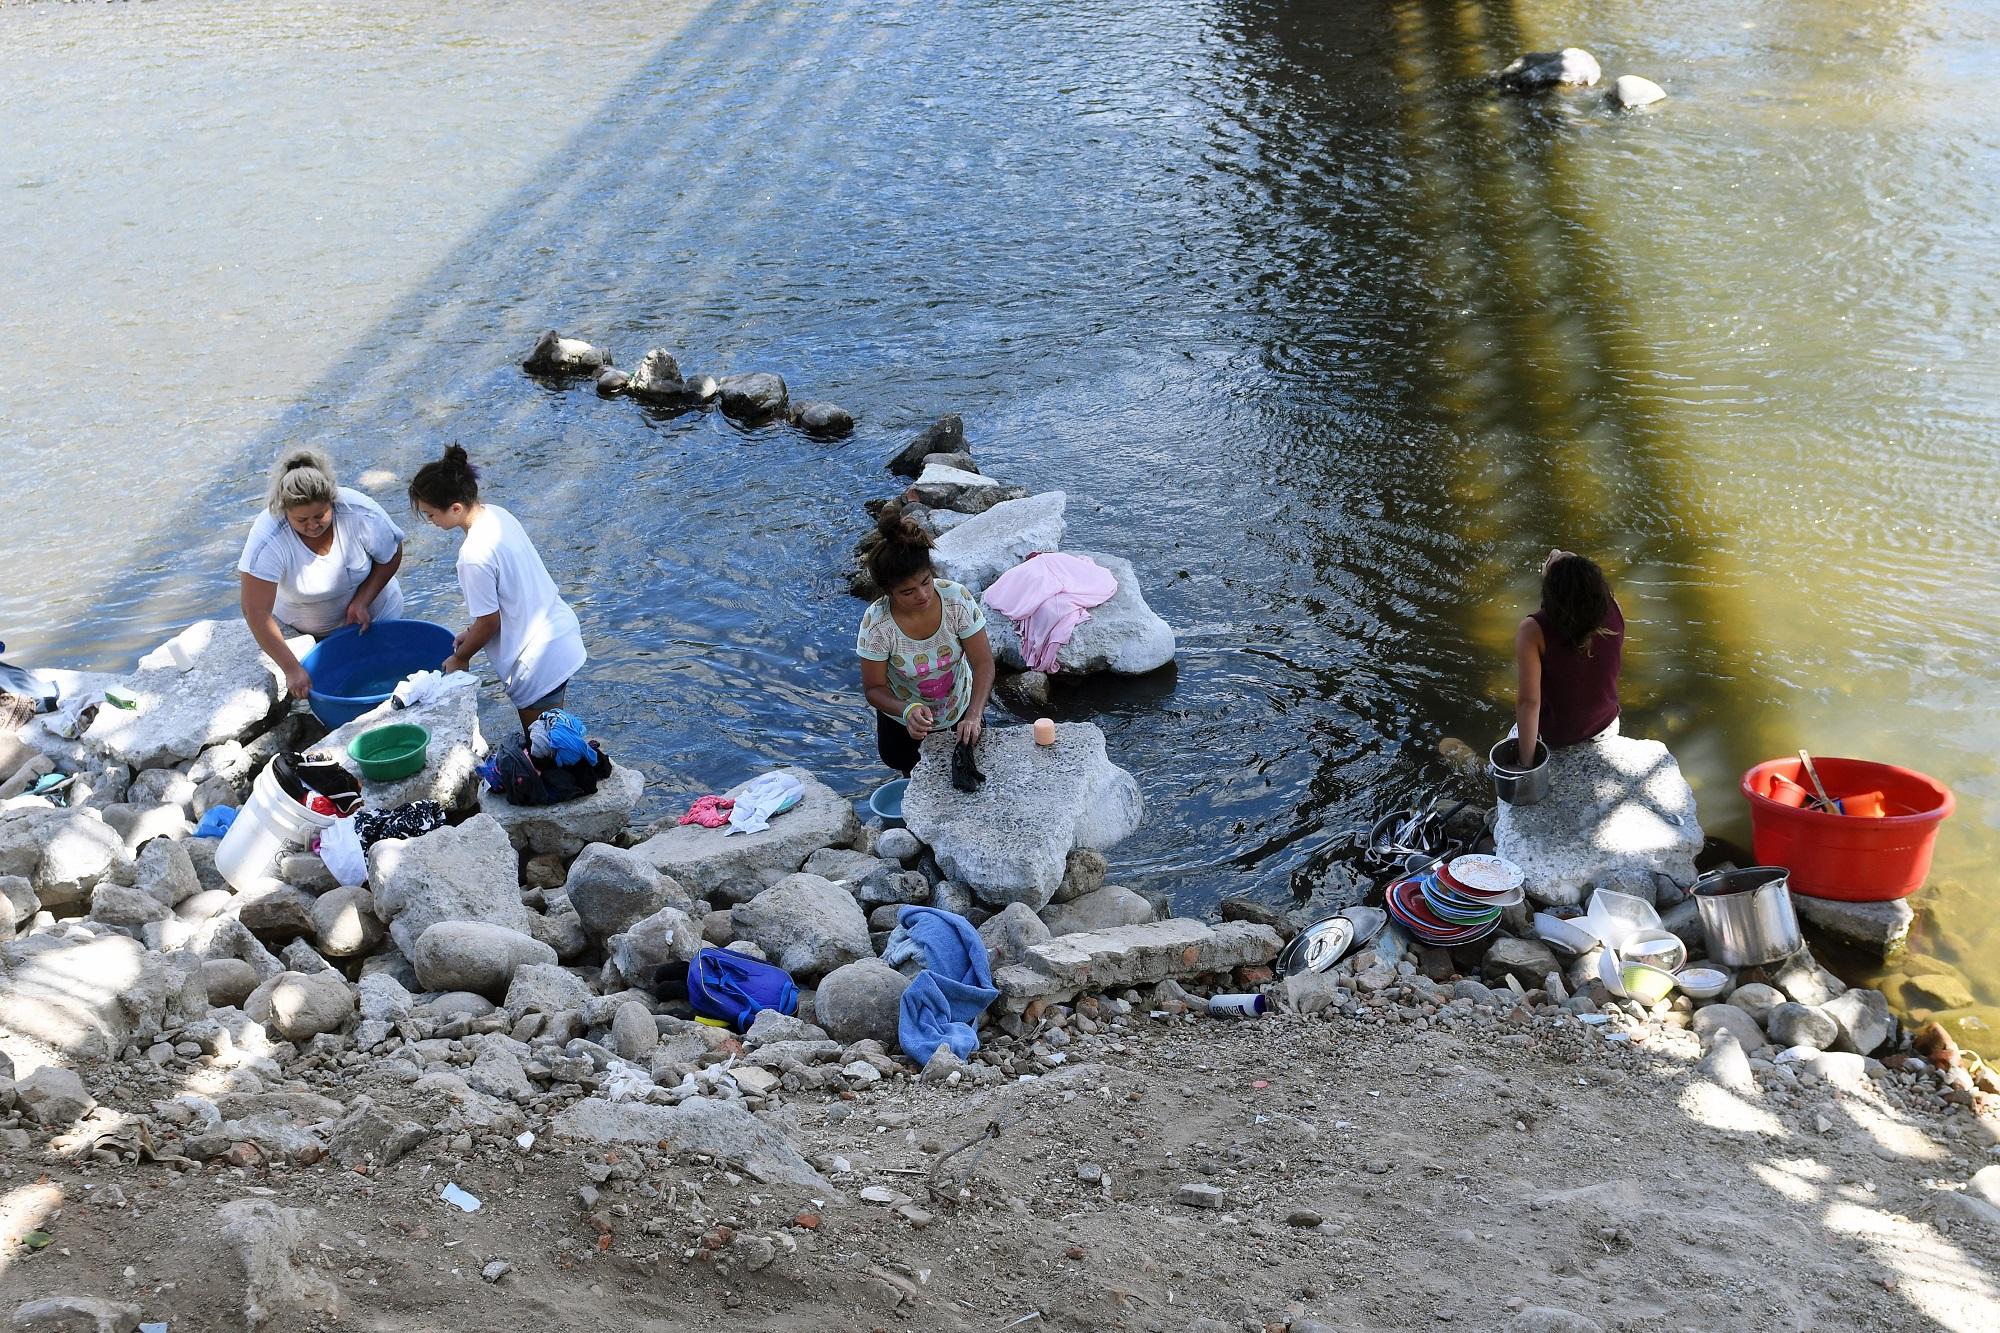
1567,656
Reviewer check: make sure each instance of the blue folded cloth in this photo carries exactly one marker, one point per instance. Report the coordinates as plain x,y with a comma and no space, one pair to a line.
941,1007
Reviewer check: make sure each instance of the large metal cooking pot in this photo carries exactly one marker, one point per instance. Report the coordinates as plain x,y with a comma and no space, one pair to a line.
1511,782
1747,915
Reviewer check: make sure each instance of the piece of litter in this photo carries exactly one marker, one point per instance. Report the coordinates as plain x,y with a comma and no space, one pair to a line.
1594,1020
152,1328
525,1140
459,1199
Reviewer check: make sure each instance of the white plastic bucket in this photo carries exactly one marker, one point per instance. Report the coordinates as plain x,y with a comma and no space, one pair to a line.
269,824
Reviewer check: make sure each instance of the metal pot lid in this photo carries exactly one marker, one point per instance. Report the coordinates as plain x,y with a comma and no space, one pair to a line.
1317,947
1368,923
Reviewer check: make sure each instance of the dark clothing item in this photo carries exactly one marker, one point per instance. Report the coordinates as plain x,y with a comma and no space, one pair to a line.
965,774
893,743
1580,689
524,782
405,821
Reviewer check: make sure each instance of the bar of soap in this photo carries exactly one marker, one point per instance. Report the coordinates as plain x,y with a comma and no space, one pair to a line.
1045,731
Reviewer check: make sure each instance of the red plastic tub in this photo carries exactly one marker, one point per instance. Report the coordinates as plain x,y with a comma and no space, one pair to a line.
1852,858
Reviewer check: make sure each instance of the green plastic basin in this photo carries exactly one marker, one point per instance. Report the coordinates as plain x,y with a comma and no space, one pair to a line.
391,752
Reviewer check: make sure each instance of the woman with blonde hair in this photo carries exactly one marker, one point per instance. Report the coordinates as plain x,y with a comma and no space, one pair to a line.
320,557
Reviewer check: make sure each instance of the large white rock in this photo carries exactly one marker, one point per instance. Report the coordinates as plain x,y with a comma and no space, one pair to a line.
1539,70
298,1006
448,775
708,861
635,954
231,690
805,924
952,488
612,887
1631,92
89,997
1009,841
702,1124
475,956
1104,908
981,549
1123,635
1141,955
467,873
565,828
1617,810
61,853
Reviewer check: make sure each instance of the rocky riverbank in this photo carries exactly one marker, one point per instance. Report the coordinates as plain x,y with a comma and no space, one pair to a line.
455,1092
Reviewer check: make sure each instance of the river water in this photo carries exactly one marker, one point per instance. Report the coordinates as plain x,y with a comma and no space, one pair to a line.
1328,339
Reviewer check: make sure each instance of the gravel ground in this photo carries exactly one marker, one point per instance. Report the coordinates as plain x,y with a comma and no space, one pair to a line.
1412,1164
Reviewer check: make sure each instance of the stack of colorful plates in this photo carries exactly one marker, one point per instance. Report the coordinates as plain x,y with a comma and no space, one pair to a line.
1456,903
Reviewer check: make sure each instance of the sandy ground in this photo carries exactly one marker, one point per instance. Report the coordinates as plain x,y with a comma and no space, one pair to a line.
1375,1174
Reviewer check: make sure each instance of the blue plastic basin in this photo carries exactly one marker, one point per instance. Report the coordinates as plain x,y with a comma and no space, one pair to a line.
353,672
887,802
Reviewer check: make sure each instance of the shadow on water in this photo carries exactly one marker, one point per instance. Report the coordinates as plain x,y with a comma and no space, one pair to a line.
1414,245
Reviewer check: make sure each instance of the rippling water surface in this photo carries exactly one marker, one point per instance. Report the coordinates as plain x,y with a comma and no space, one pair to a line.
1325,337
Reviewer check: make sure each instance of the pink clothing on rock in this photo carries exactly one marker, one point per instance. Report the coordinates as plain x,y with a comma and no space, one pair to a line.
1047,596
709,812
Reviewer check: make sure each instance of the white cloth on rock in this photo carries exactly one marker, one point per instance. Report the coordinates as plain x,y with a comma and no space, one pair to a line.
422,687
770,795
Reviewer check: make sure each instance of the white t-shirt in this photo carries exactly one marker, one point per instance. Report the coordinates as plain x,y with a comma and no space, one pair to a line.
314,590
540,645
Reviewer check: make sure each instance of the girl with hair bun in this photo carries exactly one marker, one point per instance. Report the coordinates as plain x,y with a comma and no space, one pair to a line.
318,558
529,632
1567,656
925,661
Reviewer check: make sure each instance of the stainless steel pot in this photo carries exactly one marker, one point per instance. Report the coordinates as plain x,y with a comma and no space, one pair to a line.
1747,915
1512,783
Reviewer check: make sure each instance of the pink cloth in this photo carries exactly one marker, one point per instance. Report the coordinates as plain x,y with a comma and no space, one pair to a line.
1047,596
709,812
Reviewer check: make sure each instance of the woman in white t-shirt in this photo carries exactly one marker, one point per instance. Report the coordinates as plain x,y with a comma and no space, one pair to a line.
320,557
528,631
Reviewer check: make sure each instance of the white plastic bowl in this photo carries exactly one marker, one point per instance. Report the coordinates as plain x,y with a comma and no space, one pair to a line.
1645,983
1608,966
1702,983
1617,917
1564,934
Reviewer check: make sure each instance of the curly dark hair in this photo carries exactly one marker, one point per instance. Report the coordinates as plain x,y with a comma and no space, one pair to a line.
1576,597
897,550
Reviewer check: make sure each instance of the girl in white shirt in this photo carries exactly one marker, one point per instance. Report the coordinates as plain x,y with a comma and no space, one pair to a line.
319,558
528,631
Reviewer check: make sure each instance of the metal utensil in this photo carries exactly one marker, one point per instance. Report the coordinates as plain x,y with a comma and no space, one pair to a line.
1819,788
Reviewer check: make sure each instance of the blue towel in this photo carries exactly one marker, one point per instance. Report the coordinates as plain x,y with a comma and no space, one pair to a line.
941,1007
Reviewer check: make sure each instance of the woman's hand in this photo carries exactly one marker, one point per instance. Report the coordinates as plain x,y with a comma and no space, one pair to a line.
297,683
919,721
969,729
359,614
458,644
453,664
